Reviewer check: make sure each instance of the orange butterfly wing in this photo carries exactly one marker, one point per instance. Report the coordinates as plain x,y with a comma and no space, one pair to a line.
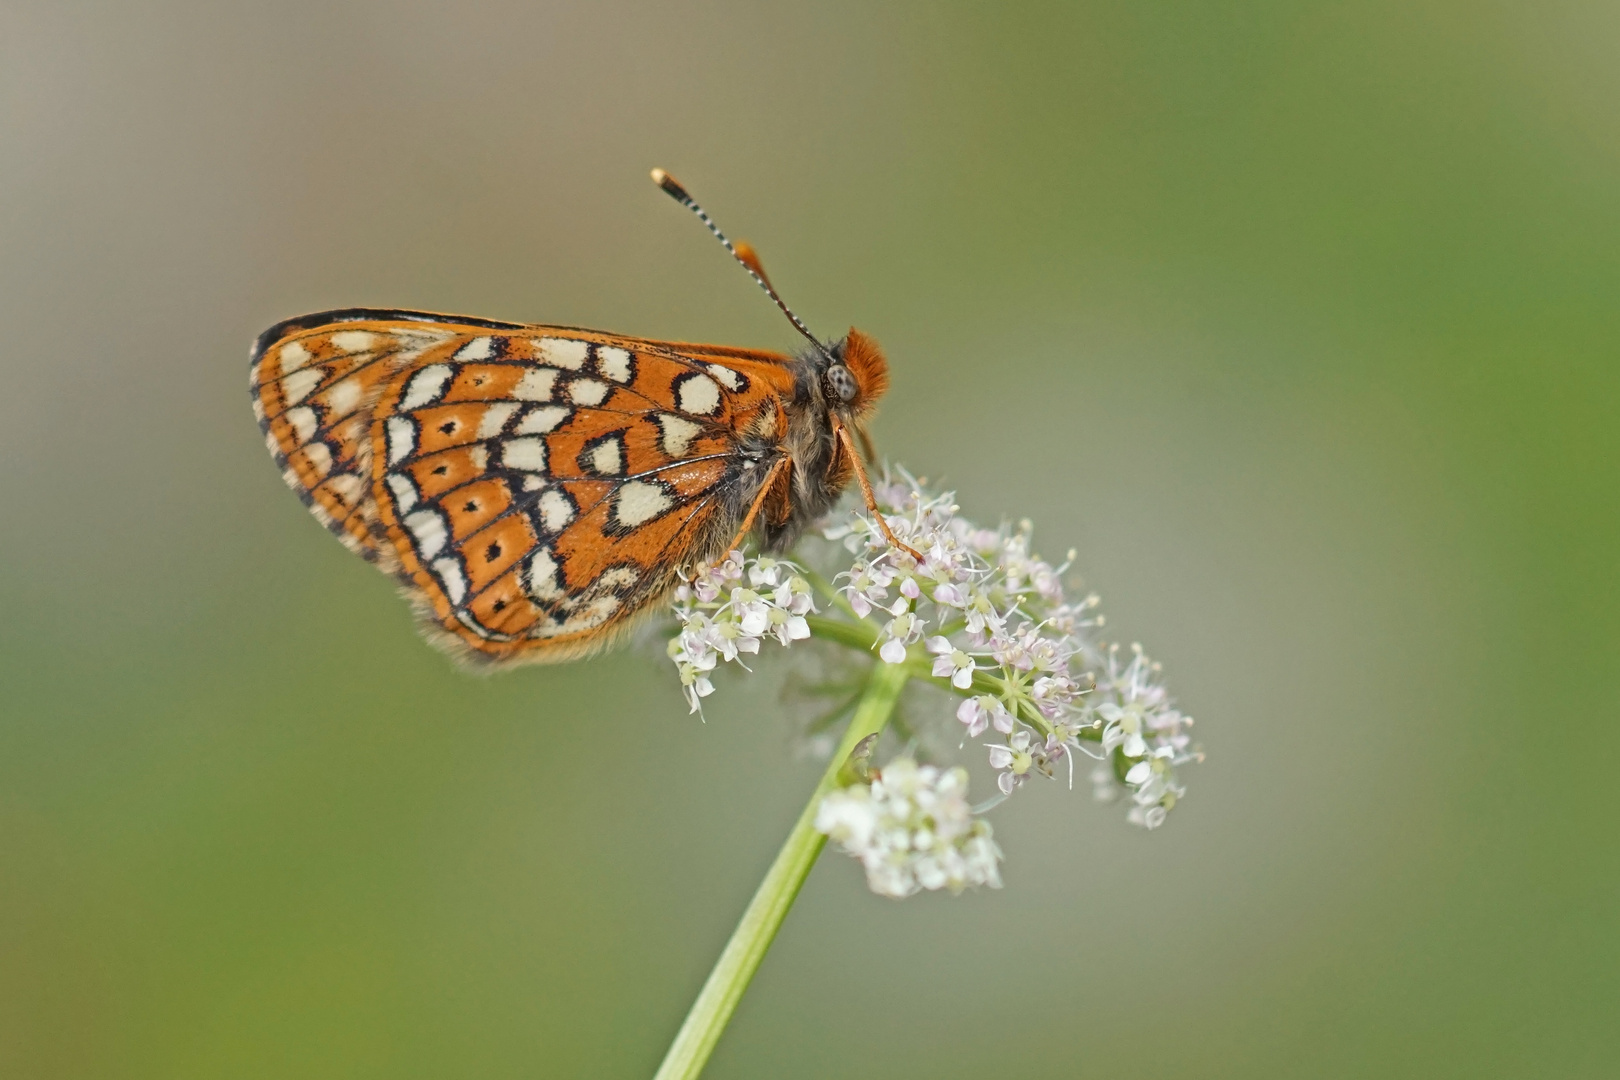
535,486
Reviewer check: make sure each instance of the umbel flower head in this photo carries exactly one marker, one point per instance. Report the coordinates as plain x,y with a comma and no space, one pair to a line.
912,829
982,616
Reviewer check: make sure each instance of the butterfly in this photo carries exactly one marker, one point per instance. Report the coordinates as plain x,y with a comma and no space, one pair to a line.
539,489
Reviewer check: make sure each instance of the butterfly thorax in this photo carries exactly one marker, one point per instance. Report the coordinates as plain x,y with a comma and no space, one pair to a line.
838,386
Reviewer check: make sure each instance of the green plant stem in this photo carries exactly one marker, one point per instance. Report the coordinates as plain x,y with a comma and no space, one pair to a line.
856,635
735,969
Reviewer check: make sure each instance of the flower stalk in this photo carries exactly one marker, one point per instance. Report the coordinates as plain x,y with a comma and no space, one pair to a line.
757,929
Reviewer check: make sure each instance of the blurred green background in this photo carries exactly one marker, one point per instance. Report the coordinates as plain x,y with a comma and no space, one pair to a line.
1297,319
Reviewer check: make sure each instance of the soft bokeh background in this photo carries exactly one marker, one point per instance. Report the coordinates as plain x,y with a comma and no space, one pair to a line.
1297,319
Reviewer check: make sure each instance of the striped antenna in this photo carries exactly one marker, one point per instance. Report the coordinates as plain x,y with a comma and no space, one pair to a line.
746,256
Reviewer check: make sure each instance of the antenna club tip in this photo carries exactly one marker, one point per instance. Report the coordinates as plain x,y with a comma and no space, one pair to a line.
670,185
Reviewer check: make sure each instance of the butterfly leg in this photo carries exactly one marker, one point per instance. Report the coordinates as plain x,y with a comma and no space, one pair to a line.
871,501
759,500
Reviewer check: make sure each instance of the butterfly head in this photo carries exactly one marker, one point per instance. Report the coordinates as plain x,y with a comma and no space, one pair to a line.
854,376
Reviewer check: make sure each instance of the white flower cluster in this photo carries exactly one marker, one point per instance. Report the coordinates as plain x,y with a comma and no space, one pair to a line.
722,617
984,615
1144,736
995,618
912,829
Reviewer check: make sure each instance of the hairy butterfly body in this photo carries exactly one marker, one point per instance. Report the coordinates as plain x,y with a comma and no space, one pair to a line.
537,488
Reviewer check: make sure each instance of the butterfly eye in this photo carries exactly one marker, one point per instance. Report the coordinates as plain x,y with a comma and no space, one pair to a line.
841,383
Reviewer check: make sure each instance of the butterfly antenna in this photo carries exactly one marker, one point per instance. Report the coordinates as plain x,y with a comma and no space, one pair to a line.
746,256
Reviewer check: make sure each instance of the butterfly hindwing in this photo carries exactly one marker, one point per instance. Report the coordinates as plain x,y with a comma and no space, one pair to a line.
315,381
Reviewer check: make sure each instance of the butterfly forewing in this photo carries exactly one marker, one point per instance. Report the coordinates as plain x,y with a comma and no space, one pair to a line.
537,486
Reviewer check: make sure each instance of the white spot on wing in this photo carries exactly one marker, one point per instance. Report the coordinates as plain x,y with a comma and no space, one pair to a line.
587,391
562,352
613,362
494,418
401,439
302,420
318,457
728,378
346,486
535,385
540,420
528,455
428,528
639,502
425,386
404,491
293,357
342,398
676,433
608,458
618,578
448,571
591,615
296,387
479,348
698,395
544,582
556,510
353,341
